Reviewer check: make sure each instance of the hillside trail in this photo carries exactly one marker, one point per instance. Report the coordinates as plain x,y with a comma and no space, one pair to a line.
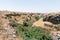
39,23
6,31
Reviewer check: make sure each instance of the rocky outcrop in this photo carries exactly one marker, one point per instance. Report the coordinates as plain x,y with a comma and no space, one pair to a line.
55,19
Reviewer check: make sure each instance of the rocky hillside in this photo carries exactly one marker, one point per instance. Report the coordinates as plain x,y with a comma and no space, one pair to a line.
9,19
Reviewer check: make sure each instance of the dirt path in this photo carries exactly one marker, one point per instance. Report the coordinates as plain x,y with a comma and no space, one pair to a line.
39,23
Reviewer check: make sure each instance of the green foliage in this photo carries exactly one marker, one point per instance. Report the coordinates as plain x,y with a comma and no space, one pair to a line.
32,33
37,17
25,23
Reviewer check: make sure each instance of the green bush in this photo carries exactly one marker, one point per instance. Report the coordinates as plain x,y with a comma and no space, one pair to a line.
25,23
37,17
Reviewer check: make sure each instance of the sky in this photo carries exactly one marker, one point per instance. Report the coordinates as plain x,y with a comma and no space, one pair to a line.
42,6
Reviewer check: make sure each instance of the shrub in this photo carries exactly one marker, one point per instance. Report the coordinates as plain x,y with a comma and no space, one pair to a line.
25,23
37,17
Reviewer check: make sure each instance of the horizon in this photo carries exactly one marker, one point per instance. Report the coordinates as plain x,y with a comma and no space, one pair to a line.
36,6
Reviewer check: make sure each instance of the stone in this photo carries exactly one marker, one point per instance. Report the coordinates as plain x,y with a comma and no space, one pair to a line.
55,19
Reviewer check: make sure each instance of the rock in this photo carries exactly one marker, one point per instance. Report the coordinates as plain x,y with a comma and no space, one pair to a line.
55,19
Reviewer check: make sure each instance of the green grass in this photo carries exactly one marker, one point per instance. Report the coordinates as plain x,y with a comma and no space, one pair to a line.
32,33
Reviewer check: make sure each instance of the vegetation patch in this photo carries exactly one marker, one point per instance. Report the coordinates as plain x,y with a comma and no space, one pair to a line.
38,17
28,32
